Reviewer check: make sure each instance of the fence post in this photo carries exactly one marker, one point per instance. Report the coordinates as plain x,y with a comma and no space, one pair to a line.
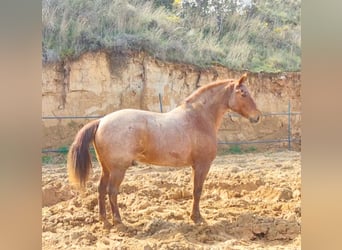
160,103
289,126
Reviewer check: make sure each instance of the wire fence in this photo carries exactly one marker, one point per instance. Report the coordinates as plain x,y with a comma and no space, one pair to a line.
289,140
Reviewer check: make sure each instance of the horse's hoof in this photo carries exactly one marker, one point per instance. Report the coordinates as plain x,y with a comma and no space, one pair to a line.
106,224
122,227
197,219
117,222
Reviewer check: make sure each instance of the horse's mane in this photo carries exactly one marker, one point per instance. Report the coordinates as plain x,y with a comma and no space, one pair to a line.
201,90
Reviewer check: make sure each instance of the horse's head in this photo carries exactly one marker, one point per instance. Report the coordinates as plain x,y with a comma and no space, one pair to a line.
241,102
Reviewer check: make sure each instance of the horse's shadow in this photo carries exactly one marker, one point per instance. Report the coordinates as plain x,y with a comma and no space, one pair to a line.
245,227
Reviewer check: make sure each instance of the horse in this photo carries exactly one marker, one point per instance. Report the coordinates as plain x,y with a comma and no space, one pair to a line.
184,136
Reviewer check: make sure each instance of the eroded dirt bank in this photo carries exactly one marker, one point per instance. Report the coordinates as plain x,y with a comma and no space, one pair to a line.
98,83
250,201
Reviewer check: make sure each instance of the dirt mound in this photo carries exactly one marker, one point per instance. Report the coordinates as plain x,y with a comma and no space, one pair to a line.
249,201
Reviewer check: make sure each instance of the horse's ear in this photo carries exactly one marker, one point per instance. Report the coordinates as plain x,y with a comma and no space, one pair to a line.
243,78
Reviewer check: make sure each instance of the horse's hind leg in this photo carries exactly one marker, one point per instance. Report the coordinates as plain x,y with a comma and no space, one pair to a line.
102,189
116,177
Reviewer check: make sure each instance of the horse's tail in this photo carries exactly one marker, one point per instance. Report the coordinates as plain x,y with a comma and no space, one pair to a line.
79,159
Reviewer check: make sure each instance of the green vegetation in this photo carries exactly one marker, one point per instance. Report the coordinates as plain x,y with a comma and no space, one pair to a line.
260,36
60,157
63,150
46,159
54,158
237,149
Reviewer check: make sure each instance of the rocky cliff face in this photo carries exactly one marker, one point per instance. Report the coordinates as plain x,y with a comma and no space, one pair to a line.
102,82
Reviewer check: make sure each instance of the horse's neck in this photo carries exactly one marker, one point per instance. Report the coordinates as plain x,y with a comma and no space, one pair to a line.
211,106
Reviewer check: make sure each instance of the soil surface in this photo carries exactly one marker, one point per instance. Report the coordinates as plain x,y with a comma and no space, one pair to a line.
249,201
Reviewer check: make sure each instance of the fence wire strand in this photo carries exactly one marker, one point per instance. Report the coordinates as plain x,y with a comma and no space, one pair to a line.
289,140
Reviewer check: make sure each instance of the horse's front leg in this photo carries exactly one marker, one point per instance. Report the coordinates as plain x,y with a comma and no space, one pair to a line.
200,172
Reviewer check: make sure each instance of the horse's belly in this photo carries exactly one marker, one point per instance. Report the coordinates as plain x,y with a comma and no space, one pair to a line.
165,156
172,160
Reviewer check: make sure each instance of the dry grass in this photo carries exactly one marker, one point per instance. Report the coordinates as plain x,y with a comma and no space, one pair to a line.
266,38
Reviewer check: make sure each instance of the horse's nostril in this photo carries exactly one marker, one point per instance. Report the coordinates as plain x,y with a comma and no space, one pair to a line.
254,119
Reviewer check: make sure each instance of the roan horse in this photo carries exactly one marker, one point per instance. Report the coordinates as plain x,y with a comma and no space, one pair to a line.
184,136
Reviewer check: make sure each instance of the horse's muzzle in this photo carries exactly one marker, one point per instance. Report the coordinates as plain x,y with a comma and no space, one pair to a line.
256,118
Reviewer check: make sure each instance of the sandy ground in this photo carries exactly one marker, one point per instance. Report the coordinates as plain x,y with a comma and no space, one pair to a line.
249,201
